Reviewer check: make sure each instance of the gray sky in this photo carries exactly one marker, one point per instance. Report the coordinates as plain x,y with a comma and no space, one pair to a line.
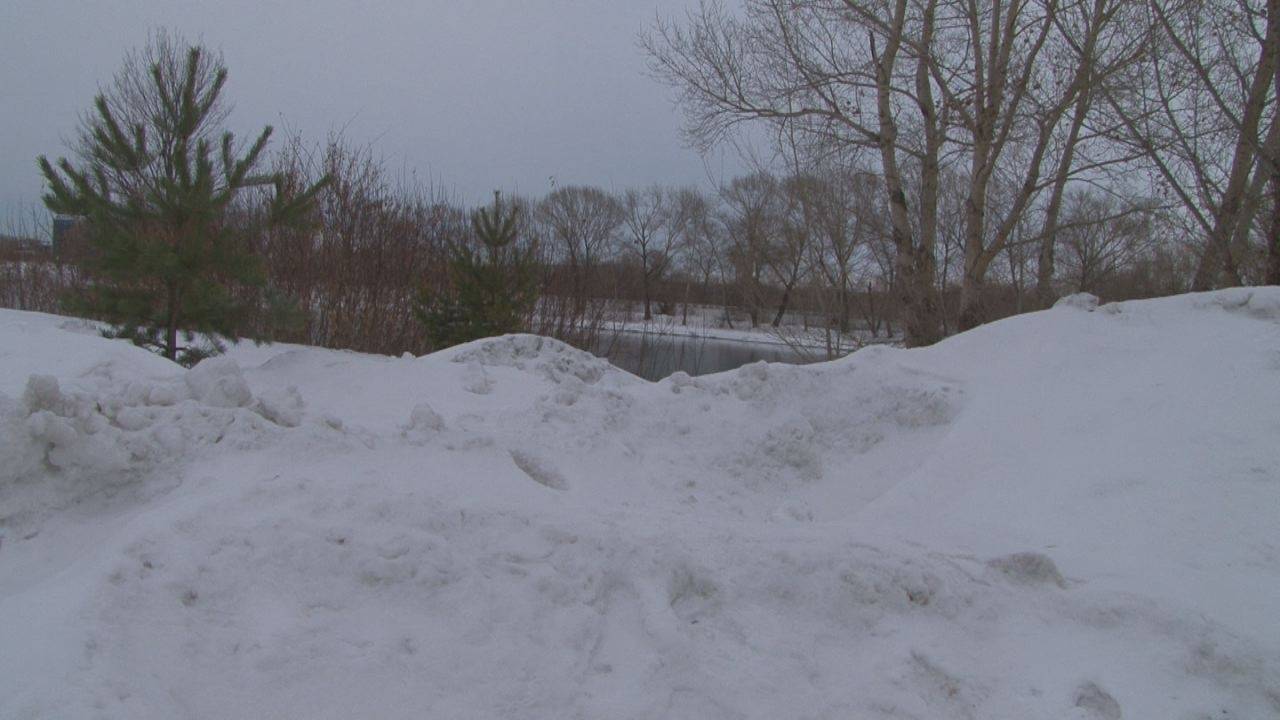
470,94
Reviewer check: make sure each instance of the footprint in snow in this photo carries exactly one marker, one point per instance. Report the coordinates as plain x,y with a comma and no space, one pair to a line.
539,470
1097,702
1029,568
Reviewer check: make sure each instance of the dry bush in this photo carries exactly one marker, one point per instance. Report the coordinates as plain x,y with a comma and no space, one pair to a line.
31,277
372,245
36,284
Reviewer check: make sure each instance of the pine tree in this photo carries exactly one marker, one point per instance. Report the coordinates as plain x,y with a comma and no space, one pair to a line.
493,285
157,187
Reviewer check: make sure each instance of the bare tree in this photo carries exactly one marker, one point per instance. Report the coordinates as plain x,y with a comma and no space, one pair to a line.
1010,72
751,217
1273,155
838,72
705,243
1101,237
1197,108
653,230
1018,255
372,245
1098,41
951,234
843,210
582,223
32,275
787,253
983,89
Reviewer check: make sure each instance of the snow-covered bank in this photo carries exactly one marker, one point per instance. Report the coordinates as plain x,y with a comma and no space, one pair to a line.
1070,514
789,336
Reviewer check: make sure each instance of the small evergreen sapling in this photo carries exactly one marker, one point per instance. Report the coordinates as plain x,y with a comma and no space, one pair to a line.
158,195
493,282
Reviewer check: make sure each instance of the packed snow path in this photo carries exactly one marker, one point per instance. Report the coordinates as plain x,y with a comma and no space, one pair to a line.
1068,514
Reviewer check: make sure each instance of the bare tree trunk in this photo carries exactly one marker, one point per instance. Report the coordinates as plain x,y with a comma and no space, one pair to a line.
972,285
1273,239
1218,257
1045,295
914,259
782,307
1001,85
844,305
973,305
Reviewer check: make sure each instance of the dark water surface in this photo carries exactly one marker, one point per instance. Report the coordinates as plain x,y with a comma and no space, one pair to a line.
653,356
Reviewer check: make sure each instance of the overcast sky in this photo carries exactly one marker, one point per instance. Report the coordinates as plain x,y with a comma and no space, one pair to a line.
471,94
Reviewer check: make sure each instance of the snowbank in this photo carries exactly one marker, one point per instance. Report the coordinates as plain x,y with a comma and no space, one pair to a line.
1069,514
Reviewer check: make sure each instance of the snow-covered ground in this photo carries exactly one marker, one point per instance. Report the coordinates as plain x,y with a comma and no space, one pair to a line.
1068,514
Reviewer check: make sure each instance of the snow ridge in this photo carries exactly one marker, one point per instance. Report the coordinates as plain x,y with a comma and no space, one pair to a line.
1062,515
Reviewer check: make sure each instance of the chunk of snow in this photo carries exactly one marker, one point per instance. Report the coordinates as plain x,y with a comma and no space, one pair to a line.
1079,301
424,419
218,382
539,469
284,408
1029,568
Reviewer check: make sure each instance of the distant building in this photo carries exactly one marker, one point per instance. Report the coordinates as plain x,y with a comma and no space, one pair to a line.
64,230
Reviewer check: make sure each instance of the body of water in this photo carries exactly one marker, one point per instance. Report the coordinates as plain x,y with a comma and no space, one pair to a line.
653,356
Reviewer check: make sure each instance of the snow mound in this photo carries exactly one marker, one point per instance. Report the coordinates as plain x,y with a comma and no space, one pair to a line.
1260,303
62,445
554,360
1058,515
787,434
1079,301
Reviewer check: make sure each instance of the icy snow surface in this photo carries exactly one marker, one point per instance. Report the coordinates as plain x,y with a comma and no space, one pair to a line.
1070,514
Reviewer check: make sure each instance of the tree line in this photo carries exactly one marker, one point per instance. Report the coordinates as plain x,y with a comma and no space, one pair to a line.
935,164
991,119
